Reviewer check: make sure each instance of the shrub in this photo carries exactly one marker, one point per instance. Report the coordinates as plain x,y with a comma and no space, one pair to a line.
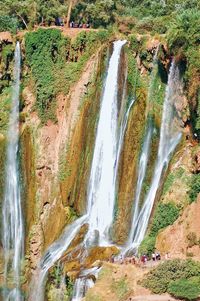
134,43
184,31
42,51
183,288
192,239
8,23
159,279
165,215
148,245
56,63
120,287
194,187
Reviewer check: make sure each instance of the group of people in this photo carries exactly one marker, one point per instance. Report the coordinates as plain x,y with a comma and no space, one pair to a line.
123,260
79,25
137,260
155,256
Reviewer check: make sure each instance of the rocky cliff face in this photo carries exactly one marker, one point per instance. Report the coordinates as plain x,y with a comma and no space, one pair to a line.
56,160
56,156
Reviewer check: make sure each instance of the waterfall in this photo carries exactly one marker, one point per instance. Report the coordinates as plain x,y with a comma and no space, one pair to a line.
12,228
169,138
83,283
142,167
144,156
101,195
54,252
101,188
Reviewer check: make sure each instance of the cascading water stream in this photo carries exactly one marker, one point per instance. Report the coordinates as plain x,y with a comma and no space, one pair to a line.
12,227
141,175
169,138
101,196
101,188
144,157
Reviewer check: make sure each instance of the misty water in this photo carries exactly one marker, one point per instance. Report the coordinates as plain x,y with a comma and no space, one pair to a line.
12,225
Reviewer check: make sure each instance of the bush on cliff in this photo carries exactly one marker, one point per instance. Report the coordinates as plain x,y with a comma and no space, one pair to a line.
56,63
161,279
194,187
184,289
8,23
165,215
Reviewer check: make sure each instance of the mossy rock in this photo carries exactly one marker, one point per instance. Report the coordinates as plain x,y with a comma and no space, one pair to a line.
100,253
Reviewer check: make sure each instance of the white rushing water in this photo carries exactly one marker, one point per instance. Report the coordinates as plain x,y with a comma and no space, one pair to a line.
101,188
142,168
12,227
54,252
101,196
83,283
169,137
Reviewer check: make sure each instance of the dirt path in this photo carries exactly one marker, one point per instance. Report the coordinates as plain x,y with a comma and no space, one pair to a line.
153,298
69,32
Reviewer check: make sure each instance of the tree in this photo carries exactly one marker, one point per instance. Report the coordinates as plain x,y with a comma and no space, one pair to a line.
69,12
16,8
30,12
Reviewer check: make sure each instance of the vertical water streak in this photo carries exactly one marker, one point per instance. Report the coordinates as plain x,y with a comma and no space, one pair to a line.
101,188
83,283
54,252
169,137
13,233
80,288
144,156
141,175
101,195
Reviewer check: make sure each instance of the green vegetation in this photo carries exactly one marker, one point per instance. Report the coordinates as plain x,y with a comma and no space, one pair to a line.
171,178
147,246
194,187
165,215
185,289
55,289
56,63
93,297
120,287
184,40
99,13
170,277
155,16
8,23
27,13
43,50
5,99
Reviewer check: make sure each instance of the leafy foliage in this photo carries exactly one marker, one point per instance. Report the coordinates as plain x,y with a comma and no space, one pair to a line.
165,215
171,178
186,289
184,31
8,23
98,13
194,187
43,50
120,287
28,12
160,279
56,63
147,246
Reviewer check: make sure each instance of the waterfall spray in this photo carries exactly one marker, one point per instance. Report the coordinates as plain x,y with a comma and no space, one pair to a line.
144,156
101,188
169,138
12,228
